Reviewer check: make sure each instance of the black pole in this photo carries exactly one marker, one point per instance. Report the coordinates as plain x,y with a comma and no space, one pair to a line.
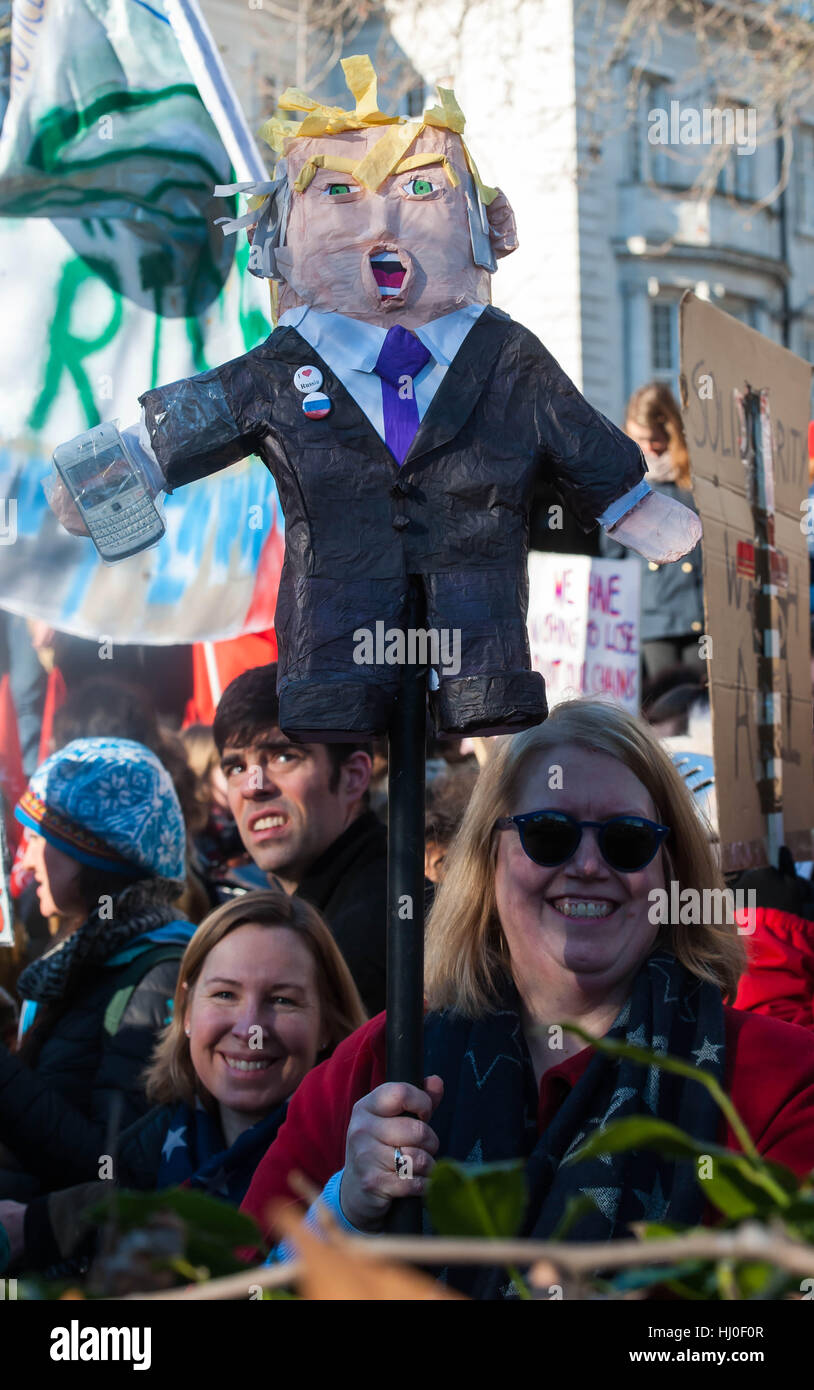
405,889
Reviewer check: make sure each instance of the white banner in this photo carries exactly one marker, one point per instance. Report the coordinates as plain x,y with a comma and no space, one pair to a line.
115,280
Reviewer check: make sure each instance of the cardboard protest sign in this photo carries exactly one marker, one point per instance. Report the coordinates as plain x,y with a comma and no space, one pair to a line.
746,405
583,625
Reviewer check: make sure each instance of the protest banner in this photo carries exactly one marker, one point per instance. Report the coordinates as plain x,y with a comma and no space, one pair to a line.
583,625
746,408
121,279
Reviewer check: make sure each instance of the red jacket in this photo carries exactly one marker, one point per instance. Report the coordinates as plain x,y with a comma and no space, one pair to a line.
780,977
769,1076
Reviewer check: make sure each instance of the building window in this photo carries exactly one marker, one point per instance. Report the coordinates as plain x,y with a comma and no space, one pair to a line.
745,175
804,161
664,340
736,176
651,163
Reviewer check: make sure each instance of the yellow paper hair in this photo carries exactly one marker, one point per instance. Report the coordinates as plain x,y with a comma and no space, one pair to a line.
323,161
381,160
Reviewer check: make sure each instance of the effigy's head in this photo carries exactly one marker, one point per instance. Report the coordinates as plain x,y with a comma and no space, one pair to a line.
377,217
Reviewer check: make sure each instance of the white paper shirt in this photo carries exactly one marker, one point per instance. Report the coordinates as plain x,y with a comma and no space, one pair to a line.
351,349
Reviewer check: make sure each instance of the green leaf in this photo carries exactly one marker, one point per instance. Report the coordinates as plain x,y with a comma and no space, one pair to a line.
213,1231
769,1186
739,1190
638,1132
488,1199
220,1222
798,1216
753,1279
647,1058
658,1230
630,1279
727,1284
737,1187
696,1288
575,1208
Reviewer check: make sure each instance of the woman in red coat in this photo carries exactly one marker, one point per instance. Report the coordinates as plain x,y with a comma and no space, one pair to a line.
779,977
552,911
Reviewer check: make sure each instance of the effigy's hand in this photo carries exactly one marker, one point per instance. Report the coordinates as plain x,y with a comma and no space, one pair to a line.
659,528
63,506
394,1116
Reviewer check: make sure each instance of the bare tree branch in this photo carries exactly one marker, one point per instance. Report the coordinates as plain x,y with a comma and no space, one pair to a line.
749,1242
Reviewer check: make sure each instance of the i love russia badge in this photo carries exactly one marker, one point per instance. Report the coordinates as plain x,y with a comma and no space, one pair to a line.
307,379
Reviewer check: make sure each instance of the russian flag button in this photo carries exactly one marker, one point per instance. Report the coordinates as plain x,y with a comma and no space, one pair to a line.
316,405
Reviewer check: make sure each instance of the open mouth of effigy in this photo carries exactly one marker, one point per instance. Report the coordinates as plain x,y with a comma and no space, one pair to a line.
389,273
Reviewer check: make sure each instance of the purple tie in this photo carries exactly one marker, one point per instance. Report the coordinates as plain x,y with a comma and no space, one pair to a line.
399,362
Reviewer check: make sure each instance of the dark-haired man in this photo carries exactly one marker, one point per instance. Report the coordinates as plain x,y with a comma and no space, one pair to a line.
301,810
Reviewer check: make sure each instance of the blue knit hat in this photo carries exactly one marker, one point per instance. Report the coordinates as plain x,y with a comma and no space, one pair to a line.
109,803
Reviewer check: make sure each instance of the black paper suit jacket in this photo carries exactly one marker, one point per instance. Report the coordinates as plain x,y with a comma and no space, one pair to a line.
360,530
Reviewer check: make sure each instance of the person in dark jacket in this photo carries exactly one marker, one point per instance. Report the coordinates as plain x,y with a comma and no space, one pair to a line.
302,815
106,844
263,994
672,594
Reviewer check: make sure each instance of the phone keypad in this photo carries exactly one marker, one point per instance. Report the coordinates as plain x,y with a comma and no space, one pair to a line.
138,517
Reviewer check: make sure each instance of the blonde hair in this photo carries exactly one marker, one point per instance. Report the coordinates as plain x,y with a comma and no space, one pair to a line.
467,959
655,407
170,1076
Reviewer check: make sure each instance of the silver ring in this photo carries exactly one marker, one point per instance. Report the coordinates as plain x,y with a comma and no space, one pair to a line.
398,1158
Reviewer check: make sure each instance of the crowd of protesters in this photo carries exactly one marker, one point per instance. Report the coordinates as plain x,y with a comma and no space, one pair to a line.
197,980
229,883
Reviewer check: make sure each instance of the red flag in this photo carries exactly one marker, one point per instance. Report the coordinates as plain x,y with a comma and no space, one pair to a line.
215,664
54,697
12,776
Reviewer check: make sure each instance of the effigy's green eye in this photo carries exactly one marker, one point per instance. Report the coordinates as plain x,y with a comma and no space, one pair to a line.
334,189
421,186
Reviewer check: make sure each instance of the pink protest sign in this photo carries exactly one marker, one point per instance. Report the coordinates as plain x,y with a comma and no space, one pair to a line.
583,625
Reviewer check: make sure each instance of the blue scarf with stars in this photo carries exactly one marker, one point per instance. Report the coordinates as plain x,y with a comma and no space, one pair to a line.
195,1153
489,1109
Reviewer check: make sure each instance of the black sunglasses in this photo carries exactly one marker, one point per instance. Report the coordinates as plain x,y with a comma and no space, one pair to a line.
627,843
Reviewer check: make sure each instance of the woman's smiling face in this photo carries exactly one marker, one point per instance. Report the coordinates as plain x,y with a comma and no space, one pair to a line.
579,923
254,1020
